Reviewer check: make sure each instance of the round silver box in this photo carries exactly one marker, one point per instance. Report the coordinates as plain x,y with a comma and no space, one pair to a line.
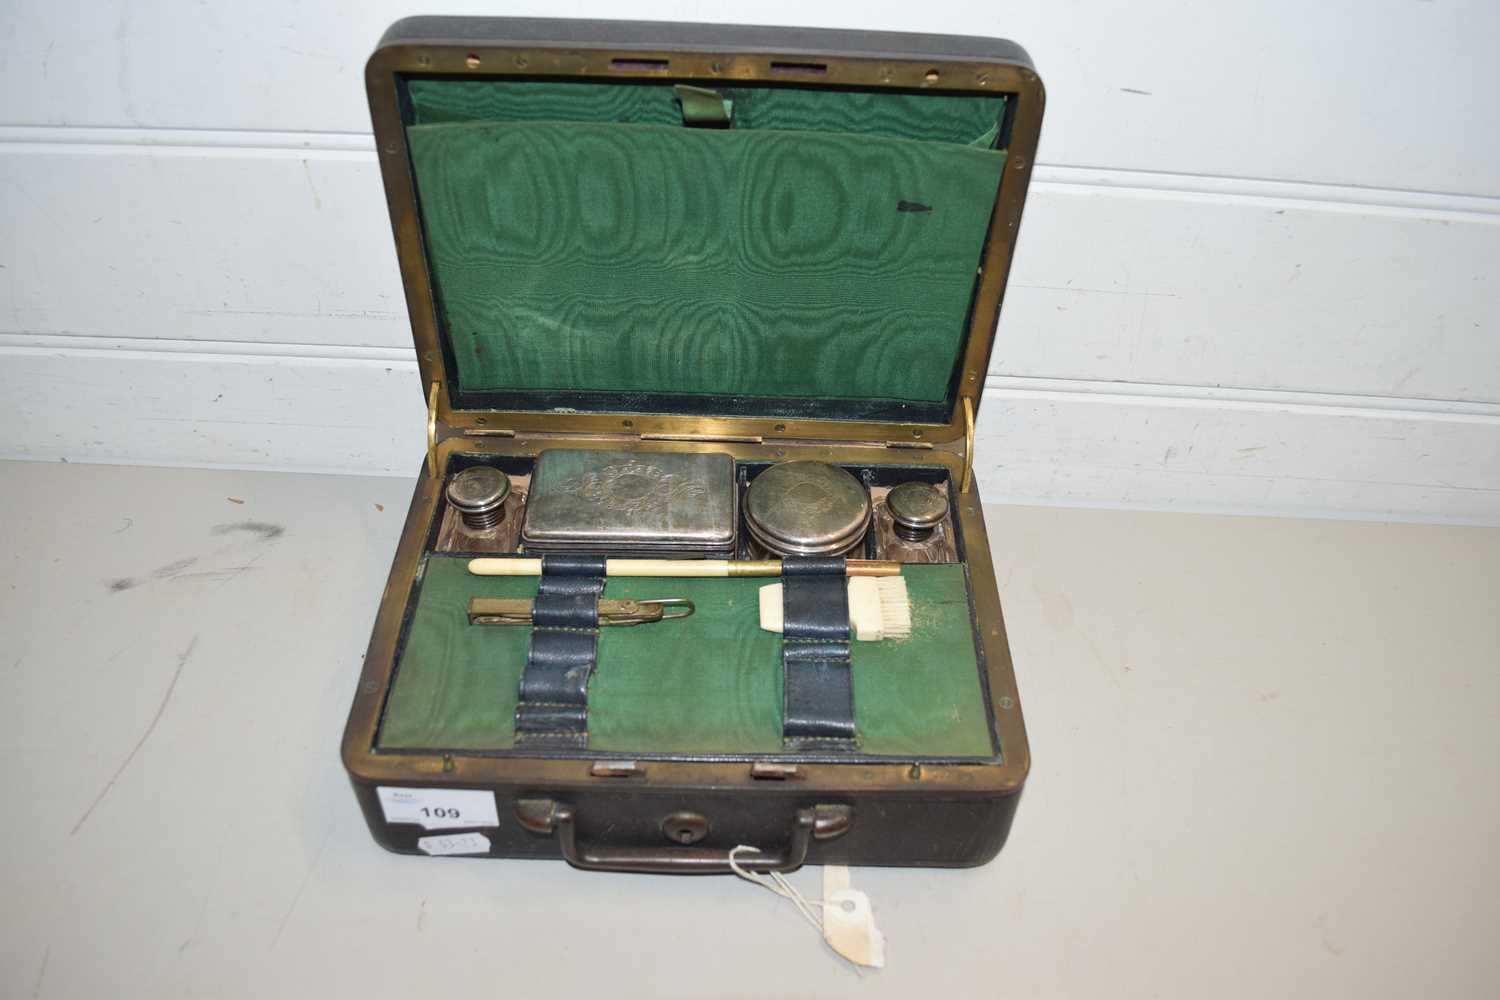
806,509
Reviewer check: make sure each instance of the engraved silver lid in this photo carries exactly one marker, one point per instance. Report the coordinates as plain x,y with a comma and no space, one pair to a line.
636,502
916,509
807,509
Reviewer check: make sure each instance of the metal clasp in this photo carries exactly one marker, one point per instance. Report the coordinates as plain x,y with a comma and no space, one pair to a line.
432,401
968,479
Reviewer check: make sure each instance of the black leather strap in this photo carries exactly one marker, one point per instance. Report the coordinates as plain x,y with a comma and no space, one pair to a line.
553,708
817,683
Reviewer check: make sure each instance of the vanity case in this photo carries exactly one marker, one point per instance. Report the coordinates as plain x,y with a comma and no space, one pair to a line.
646,265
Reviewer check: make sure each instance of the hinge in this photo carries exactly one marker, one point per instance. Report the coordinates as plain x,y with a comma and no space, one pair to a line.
715,438
432,397
968,479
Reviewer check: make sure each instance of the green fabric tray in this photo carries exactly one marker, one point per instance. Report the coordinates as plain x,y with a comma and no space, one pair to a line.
704,685
647,258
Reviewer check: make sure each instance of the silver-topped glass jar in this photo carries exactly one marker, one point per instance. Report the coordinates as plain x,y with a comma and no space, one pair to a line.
478,494
916,510
806,509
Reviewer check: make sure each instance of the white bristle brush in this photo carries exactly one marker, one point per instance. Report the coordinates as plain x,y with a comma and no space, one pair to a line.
878,608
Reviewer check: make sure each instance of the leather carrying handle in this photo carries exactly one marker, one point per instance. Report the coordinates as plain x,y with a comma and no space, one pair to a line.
546,816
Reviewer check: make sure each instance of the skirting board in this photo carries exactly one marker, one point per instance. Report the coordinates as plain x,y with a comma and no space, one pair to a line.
1040,441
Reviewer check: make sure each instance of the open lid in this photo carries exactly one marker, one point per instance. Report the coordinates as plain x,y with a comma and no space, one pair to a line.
693,229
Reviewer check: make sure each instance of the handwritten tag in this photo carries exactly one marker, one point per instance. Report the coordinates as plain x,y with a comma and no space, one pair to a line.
848,923
445,844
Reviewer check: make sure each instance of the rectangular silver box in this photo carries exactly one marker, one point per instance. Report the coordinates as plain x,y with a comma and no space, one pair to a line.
632,504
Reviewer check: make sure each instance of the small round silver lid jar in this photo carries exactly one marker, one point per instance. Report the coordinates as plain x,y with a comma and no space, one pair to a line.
478,494
916,510
806,509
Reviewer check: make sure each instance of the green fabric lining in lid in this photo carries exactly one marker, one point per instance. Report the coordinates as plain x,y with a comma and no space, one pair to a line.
655,258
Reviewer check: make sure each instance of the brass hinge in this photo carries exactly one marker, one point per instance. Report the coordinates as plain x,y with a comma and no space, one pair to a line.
432,397
760,439
713,438
968,479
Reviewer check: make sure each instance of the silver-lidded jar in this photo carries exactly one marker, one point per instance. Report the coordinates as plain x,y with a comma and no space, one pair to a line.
916,510
478,494
807,509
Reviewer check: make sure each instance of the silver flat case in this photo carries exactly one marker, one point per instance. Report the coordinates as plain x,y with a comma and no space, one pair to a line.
630,503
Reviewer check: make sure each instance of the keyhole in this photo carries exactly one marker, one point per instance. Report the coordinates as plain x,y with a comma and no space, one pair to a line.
685,827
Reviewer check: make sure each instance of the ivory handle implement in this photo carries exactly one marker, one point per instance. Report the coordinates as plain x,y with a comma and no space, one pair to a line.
679,567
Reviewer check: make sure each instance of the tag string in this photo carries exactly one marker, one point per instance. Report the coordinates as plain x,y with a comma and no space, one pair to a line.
870,945
778,884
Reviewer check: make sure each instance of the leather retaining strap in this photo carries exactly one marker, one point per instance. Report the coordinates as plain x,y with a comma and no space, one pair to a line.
553,709
818,686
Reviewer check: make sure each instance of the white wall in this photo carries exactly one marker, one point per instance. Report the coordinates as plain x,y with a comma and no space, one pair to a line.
1259,270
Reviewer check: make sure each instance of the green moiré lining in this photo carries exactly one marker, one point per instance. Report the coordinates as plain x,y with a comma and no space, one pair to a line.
962,118
706,684
664,259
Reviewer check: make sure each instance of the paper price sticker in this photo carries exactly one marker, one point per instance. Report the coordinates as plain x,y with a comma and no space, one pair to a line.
445,844
438,808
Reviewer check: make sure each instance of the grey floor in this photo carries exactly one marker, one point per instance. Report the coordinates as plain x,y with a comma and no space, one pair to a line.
1264,765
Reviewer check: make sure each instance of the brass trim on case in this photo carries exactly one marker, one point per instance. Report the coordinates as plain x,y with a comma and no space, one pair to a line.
432,422
968,479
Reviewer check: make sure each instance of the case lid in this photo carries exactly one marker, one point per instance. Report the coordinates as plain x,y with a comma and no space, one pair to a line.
689,229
